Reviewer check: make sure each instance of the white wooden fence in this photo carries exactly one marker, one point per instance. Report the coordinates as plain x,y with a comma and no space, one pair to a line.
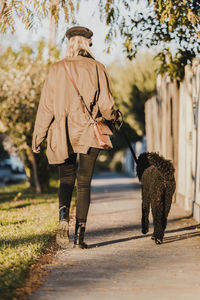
173,130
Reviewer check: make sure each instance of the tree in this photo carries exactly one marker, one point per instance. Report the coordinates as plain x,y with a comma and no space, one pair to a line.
157,23
31,14
19,98
141,23
133,83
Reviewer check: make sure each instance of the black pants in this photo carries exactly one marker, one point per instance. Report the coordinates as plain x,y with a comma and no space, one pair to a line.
67,176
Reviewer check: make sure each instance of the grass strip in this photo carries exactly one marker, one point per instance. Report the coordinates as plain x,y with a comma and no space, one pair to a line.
28,226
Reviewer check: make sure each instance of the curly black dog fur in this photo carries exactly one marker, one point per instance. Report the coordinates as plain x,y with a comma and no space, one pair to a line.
158,185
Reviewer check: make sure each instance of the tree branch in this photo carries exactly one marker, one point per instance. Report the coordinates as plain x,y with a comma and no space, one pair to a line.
2,7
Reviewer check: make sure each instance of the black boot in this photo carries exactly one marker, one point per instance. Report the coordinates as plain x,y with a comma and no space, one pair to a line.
79,236
64,214
62,236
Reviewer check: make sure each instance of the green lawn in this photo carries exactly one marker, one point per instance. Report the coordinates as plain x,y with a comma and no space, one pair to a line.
27,228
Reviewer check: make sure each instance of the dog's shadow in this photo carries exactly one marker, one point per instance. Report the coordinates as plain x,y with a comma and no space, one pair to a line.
166,240
184,236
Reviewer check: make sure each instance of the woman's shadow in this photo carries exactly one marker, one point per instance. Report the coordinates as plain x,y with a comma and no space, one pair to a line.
166,240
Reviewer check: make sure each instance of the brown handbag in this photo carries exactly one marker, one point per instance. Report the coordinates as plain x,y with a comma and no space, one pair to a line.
101,130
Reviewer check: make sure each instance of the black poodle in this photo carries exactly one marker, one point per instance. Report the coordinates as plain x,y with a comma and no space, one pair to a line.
158,185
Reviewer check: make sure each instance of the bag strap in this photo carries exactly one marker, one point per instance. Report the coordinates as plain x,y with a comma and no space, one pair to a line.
78,92
71,78
98,85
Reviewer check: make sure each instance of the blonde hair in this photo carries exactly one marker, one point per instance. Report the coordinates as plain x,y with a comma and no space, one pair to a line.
77,43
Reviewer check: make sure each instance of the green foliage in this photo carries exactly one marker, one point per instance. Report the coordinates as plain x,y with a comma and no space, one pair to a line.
175,64
20,92
147,23
25,72
30,12
156,22
133,83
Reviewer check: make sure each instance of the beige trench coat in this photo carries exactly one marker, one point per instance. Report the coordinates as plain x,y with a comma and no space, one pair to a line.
60,116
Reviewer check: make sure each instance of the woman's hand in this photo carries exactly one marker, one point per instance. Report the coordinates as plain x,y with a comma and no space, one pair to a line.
118,115
37,150
118,122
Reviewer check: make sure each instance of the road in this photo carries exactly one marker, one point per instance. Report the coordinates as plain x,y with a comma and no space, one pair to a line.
121,262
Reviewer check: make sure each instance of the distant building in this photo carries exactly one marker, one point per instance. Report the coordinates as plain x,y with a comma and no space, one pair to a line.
11,168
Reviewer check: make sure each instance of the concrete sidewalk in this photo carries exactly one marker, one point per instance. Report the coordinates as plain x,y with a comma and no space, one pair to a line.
121,262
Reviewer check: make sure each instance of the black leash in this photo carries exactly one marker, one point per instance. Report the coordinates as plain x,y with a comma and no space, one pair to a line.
126,138
130,146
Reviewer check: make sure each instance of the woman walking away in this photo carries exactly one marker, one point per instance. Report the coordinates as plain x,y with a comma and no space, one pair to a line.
75,95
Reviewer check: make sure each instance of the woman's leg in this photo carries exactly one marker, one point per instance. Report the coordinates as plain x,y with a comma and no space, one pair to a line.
67,180
84,177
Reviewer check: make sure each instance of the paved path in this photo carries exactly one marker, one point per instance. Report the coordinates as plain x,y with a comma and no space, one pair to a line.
121,263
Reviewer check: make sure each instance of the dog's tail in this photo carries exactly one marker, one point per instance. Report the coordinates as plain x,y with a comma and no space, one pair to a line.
164,166
142,164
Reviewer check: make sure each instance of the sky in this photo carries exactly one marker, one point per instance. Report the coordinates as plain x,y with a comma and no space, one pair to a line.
85,17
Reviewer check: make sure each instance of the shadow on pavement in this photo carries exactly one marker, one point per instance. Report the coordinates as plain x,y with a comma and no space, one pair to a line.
196,226
112,212
184,236
106,231
118,241
119,187
112,230
166,240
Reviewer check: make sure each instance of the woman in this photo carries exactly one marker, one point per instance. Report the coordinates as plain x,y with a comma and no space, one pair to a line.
68,127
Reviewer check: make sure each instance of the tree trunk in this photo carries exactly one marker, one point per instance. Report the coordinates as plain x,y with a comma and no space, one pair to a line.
31,158
52,25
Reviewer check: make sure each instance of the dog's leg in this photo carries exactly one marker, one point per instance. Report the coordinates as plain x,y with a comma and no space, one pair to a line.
158,230
157,212
170,188
164,211
145,211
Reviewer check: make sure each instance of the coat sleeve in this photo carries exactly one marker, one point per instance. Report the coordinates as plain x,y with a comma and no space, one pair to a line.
45,112
105,101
